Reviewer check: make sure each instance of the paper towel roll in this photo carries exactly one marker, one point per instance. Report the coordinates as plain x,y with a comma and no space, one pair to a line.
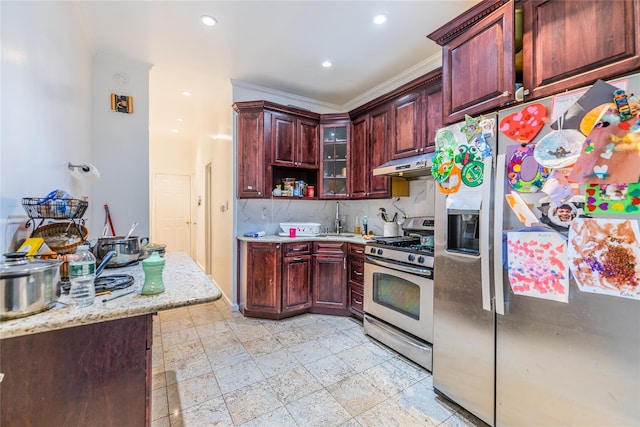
87,171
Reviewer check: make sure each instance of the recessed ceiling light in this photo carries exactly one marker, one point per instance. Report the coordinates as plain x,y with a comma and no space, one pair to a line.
179,120
208,20
174,130
327,64
186,93
380,19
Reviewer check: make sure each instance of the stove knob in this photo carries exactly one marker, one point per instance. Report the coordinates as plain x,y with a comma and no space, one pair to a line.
379,251
421,259
372,250
412,258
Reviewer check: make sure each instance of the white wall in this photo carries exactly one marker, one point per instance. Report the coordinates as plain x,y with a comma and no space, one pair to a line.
56,109
45,106
120,145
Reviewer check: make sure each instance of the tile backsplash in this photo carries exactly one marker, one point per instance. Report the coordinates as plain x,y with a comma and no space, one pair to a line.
267,214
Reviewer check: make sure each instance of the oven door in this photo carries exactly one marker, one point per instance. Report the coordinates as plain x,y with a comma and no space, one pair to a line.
401,298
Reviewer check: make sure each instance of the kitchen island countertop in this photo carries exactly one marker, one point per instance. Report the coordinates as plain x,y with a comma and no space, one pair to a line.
185,284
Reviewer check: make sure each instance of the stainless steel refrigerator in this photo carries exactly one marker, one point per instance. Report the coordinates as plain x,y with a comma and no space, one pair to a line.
512,359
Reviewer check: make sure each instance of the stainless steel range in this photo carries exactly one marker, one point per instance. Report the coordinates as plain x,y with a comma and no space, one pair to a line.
398,290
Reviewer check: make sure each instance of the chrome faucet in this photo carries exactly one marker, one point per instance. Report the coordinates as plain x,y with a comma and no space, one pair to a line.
338,223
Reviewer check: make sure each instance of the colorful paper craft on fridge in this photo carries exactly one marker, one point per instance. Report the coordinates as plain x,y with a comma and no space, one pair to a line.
443,163
559,149
604,256
611,151
524,125
538,265
452,183
613,199
558,187
521,209
559,216
524,174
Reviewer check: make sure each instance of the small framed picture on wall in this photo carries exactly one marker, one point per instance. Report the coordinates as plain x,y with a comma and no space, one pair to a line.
122,103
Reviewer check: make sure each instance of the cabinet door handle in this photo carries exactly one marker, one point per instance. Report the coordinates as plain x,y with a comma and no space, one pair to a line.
357,273
358,251
357,302
344,263
298,258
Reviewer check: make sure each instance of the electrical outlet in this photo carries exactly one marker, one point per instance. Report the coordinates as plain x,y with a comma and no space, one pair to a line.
264,213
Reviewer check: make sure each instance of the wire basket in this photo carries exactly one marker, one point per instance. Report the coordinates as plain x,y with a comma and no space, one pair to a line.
38,207
62,237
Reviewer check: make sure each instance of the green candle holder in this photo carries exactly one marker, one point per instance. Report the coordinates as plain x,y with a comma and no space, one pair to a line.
153,267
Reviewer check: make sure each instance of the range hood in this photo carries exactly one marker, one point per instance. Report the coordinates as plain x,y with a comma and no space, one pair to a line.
410,167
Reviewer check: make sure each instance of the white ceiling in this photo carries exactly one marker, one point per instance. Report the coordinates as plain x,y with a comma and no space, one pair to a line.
274,44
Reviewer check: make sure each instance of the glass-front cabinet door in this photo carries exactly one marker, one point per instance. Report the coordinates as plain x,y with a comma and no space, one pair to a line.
334,152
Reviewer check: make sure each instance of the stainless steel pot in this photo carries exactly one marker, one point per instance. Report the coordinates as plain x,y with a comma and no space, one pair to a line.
148,249
127,249
27,286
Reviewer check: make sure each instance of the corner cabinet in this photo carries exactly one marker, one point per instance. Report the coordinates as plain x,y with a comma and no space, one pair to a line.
334,152
274,142
565,44
329,277
296,277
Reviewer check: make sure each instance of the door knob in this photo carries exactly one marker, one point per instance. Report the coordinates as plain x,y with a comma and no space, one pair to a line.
187,222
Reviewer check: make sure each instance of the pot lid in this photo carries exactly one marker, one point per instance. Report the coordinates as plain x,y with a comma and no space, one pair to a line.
17,264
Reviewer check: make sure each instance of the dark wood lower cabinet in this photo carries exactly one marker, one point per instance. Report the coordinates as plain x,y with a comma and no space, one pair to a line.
296,283
264,278
329,282
92,375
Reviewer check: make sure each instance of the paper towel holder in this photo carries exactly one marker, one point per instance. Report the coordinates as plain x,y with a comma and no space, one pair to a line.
84,167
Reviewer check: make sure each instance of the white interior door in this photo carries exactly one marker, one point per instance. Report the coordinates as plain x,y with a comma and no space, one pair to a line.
173,212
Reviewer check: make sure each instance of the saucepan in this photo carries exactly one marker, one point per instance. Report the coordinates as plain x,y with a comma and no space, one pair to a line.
127,249
27,286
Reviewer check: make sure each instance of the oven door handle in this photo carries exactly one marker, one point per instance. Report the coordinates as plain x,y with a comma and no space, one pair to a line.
426,272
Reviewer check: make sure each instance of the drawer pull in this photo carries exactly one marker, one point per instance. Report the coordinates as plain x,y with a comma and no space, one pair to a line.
358,251
357,273
298,258
357,302
298,249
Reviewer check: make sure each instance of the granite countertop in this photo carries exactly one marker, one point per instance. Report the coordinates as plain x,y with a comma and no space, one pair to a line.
274,238
184,281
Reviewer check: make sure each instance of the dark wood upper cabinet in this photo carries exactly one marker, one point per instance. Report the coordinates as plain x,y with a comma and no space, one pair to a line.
573,43
251,157
407,125
358,164
378,152
295,141
565,44
478,70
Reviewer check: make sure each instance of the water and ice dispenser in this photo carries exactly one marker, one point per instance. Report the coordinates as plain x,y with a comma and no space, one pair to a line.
463,234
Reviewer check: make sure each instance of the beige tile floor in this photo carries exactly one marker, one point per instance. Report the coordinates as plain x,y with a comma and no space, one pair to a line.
212,366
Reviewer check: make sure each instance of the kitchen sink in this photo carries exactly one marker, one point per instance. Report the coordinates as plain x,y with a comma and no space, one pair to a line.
336,235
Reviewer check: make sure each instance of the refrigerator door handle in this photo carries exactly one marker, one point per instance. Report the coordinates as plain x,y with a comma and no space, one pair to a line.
485,219
498,211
